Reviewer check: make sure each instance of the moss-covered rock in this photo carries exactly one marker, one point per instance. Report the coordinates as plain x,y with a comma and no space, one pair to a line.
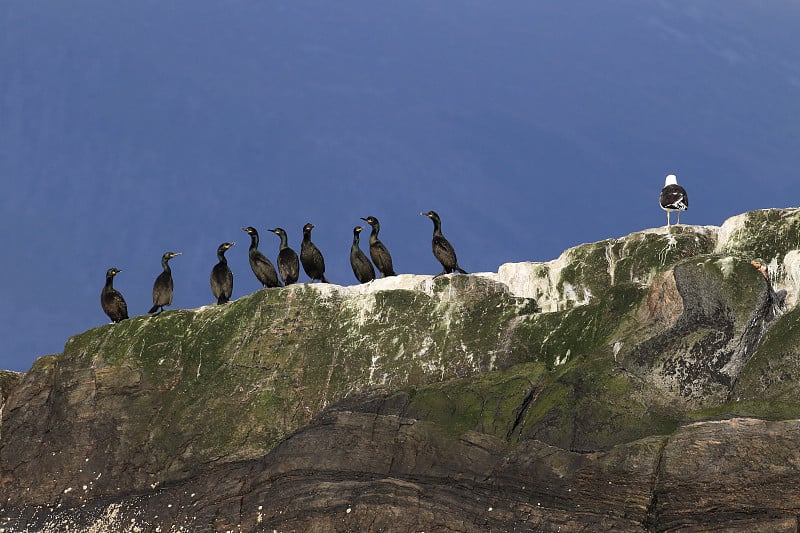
697,356
771,237
766,233
583,368
8,380
168,392
769,385
586,272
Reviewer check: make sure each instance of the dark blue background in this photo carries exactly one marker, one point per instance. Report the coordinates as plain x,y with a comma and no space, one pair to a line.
132,128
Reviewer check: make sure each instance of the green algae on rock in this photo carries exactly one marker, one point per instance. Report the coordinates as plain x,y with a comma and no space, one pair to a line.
525,392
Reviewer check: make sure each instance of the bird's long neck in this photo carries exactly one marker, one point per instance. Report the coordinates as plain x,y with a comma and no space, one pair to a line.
373,236
221,257
165,264
355,242
437,227
306,236
254,241
109,282
284,241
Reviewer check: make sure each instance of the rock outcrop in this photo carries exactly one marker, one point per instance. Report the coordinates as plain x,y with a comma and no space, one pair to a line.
646,383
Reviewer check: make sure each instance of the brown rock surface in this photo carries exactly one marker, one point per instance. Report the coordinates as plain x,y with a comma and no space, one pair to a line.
658,393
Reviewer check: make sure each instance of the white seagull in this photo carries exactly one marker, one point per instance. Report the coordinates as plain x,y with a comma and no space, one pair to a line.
673,197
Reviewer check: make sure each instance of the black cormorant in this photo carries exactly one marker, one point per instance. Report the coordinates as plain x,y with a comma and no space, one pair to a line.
362,268
442,249
673,197
162,287
221,276
380,255
111,300
311,257
262,267
288,263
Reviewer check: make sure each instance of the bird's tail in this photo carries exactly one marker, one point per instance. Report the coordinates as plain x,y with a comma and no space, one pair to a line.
324,279
390,273
222,300
461,270
153,309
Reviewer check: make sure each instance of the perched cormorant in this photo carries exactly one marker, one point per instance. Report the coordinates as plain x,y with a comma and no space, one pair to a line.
673,197
221,276
111,300
311,257
288,263
380,255
262,267
362,268
162,287
442,249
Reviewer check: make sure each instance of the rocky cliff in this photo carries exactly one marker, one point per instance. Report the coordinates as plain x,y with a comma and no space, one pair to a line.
647,383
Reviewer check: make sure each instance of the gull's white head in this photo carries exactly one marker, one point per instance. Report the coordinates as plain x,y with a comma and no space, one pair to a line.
671,180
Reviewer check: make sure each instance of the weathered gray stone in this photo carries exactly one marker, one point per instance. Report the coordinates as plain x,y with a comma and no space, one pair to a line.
647,383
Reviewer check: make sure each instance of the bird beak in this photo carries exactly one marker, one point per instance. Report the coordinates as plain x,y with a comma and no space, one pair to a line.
177,254
425,214
244,229
364,219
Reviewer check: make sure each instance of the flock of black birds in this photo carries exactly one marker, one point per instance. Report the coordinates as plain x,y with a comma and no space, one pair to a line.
673,197
288,269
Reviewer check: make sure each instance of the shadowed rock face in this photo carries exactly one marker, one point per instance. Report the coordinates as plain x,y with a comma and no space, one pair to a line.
642,383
